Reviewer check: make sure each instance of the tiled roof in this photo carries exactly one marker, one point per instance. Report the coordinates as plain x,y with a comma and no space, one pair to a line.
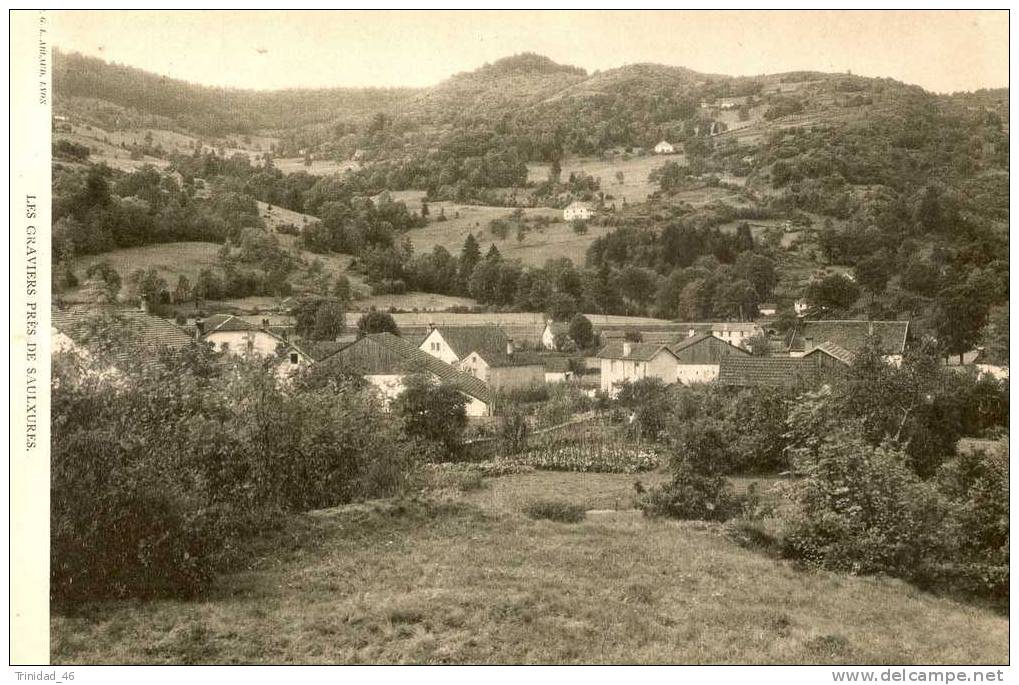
831,349
767,371
321,349
689,342
518,358
640,352
142,334
385,353
228,323
850,335
466,339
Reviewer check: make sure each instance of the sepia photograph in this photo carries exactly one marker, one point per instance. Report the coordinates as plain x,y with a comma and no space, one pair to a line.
511,337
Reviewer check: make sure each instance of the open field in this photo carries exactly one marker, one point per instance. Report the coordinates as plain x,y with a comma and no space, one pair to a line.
471,579
169,259
319,167
635,186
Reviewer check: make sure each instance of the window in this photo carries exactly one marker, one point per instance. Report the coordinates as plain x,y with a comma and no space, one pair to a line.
293,358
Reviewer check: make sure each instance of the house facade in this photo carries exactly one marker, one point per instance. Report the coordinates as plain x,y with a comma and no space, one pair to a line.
698,358
505,371
452,344
664,148
626,361
386,361
578,210
234,335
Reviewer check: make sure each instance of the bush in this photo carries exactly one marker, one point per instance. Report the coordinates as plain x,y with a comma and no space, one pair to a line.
692,495
555,510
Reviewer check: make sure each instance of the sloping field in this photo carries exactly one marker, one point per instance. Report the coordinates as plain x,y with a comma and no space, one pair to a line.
635,186
471,579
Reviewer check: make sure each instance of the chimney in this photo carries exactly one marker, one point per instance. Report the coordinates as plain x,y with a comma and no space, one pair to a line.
808,344
199,328
509,347
626,348
431,325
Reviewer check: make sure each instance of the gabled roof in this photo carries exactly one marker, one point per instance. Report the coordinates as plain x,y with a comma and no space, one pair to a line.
228,323
142,334
834,351
723,346
385,353
850,335
518,358
466,339
767,371
321,349
640,352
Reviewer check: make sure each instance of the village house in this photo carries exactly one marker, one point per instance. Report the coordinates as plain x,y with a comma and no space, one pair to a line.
558,370
452,344
553,330
698,357
664,148
767,308
851,336
386,360
506,370
234,335
627,361
578,210
138,337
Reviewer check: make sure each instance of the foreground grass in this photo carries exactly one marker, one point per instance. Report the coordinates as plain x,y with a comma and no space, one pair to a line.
472,579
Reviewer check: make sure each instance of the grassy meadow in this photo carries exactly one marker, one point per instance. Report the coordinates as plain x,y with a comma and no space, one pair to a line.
467,577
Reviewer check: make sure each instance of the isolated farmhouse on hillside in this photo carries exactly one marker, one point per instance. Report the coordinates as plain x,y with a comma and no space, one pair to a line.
578,210
665,148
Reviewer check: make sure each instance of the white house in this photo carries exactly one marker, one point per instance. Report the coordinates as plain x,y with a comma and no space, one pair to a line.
551,331
578,210
386,360
627,361
664,148
232,334
698,357
452,344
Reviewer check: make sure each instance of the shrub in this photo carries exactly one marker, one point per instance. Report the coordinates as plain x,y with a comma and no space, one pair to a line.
692,495
513,431
555,510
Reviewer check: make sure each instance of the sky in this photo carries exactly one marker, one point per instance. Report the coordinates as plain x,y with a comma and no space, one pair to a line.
943,51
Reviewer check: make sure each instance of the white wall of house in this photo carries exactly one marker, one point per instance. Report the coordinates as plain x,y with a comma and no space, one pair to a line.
391,385
558,376
548,338
664,148
435,345
696,373
244,343
613,371
475,366
577,212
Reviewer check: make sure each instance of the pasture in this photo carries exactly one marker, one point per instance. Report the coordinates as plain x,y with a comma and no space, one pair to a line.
635,186
468,577
318,167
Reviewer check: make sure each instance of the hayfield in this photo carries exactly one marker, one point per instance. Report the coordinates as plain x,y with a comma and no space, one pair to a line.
470,578
635,186
169,259
319,167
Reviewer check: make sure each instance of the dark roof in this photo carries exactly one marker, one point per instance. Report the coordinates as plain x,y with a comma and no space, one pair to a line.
760,371
640,352
466,339
691,341
385,353
850,335
142,334
722,346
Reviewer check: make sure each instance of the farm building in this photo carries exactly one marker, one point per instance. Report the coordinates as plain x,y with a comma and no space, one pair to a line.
578,210
626,361
505,370
453,344
385,360
767,371
732,333
699,356
229,333
665,148
140,337
558,370
553,330
849,335
767,308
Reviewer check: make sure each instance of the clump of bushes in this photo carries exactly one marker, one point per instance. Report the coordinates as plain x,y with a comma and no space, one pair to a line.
555,510
162,474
